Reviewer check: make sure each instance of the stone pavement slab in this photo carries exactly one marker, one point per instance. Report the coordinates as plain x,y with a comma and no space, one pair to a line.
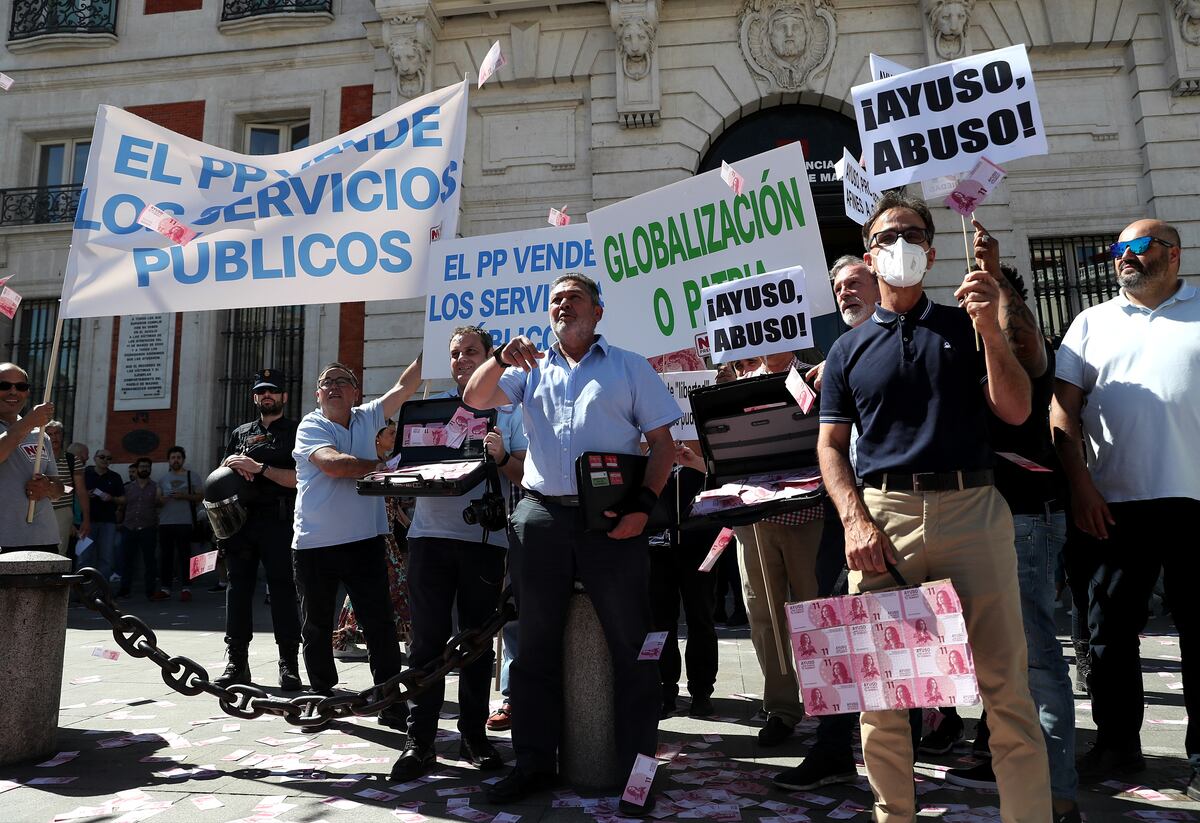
145,751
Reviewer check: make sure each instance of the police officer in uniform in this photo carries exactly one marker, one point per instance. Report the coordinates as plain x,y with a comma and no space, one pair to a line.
261,452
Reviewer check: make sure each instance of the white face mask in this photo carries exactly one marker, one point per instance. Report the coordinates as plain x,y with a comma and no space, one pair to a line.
901,264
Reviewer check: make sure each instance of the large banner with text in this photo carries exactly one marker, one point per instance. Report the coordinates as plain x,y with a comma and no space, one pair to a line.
167,223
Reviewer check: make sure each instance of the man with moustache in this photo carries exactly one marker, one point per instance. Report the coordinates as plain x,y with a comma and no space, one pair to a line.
919,391
261,451
1126,389
831,759
581,395
450,563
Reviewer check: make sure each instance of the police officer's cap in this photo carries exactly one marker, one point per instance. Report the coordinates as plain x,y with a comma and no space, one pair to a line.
269,379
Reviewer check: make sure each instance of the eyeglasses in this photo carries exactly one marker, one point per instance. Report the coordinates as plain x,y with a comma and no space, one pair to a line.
1137,245
913,234
340,382
6,385
268,390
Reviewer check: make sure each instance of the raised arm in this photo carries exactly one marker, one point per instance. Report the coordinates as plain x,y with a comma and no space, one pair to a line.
405,388
483,389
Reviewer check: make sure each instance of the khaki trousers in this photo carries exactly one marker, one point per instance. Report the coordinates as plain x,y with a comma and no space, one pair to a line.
788,567
966,536
66,521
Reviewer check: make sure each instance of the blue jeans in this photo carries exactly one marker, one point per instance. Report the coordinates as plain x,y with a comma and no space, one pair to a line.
101,555
511,630
1039,542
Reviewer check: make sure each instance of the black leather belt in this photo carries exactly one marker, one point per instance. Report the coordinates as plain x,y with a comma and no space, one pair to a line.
556,499
930,481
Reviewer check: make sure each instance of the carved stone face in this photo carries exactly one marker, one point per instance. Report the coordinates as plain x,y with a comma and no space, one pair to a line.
635,40
787,33
407,57
1188,8
951,19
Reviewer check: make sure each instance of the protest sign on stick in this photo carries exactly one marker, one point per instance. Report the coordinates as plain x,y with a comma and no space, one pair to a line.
763,315
882,68
346,219
939,120
859,195
972,191
658,250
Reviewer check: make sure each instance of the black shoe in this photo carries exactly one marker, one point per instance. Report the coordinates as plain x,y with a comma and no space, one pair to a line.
627,809
289,672
415,760
220,587
701,707
815,771
944,737
237,670
1193,786
480,753
775,732
1103,763
519,784
976,777
395,717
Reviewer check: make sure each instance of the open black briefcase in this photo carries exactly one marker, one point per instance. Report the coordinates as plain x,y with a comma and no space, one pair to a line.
752,430
428,465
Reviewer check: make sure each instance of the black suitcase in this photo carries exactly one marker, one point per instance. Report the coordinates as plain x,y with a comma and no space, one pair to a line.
749,428
412,476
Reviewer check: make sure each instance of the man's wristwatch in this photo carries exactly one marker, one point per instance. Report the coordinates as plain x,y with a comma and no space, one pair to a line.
496,356
507,457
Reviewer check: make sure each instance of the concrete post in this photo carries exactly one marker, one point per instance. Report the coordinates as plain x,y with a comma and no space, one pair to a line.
588,756
34,617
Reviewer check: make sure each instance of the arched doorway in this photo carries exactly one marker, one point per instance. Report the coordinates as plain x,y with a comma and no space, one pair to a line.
823,134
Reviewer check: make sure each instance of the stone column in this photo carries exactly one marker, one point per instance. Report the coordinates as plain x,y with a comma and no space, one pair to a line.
587,758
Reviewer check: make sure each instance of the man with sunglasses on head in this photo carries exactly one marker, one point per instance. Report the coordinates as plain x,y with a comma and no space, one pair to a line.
919,392
261,452
1127,389
18,484
339,533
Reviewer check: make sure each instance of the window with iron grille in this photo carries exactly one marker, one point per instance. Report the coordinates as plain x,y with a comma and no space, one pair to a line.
33,337
256,339
1069,275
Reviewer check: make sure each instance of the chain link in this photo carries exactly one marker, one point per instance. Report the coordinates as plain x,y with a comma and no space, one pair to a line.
186,676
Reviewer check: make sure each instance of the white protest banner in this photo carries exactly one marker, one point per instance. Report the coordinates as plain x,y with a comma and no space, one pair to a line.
681,384
881,67
764,315
659,249
347,219
502,282
860,196
938,120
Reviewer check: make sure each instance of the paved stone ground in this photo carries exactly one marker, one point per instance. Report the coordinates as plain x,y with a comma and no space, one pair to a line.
199,765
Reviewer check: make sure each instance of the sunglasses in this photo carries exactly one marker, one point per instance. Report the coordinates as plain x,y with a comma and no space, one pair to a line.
1137,245
268,390
6,385
912,234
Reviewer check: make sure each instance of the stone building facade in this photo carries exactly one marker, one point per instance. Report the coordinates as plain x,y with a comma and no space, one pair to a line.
599,101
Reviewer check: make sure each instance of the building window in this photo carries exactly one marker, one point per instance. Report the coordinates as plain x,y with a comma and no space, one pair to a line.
59,176
256,339
63,162
38,18
276,138
33,337
1069,275
241,9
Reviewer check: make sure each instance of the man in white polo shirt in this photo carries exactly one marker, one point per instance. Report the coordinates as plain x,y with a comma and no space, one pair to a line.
1128,388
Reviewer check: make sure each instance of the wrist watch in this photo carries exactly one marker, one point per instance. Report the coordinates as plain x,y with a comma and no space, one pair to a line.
496,356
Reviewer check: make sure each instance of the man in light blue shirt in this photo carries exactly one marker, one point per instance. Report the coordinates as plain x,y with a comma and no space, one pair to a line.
451,562
338,533
581,395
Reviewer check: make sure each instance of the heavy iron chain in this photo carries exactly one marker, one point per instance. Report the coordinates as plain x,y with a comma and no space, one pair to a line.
188,677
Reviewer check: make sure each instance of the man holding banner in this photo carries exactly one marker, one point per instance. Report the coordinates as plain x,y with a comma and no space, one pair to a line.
913,382
18,484
581,395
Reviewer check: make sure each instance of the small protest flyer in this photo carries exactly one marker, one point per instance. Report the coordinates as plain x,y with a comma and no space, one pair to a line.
898,649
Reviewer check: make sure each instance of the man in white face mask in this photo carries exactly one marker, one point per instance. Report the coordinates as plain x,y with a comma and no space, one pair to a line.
919,392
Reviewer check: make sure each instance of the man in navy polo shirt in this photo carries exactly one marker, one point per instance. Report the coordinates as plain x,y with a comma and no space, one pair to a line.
919,391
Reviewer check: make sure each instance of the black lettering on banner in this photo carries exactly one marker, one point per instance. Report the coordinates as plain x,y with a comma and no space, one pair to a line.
760,332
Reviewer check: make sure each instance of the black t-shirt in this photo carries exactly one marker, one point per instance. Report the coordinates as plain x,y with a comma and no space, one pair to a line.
913,383
1028,492
271,446
103,511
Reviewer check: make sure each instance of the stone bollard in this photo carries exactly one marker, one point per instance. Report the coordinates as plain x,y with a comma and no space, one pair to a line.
33,613
588,756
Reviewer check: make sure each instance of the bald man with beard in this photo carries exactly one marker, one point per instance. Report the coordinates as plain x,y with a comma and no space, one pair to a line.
1126,387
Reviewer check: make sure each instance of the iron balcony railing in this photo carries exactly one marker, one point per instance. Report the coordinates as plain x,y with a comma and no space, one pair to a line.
242,9
35,18
39,204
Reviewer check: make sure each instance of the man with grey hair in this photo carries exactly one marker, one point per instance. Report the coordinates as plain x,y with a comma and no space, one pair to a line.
19,485
64,507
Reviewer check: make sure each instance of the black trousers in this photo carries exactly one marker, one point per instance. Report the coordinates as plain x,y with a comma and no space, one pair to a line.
174,554
266,538
440,573
138,543
675,576
362,568
550,550
1149,535
835,732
